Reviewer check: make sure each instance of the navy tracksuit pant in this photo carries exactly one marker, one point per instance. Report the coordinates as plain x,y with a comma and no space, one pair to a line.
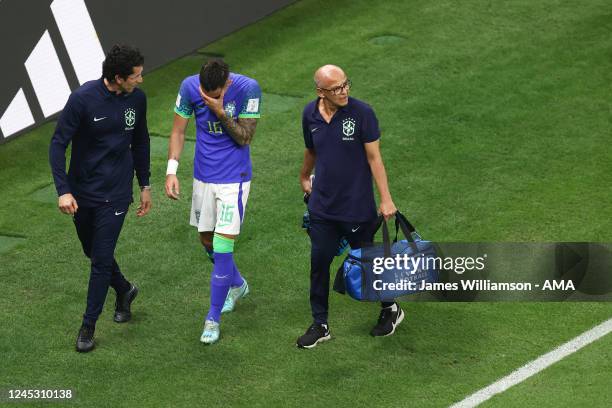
325,238
98,229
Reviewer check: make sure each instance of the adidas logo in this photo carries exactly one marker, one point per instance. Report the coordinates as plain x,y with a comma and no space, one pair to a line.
45,70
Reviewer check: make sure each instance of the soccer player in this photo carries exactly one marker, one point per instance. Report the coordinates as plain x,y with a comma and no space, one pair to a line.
226,107
106,121
342,139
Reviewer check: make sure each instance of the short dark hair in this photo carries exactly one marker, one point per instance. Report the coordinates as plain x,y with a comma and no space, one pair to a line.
120,60
214,74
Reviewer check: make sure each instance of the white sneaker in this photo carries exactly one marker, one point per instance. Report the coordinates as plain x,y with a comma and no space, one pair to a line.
211,332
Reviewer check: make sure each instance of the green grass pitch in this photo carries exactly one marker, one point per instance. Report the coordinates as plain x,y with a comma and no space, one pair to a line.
496,125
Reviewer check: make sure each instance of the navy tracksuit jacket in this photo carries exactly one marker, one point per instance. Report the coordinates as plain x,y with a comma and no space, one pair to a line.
110,142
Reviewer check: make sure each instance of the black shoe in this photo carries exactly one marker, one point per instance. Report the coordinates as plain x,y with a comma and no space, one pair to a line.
122,305
315,334
388,321
85,339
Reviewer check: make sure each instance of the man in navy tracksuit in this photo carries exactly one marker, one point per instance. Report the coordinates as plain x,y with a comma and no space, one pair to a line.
105,120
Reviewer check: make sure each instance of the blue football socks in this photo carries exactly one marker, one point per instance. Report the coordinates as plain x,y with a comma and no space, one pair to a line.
222,275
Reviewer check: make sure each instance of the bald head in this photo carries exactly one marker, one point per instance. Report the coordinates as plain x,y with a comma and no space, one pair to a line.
329,75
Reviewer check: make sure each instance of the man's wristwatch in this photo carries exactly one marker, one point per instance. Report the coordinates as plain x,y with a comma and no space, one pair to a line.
143,188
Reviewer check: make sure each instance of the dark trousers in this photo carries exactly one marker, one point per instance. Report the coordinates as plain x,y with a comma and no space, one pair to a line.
98,229
325,238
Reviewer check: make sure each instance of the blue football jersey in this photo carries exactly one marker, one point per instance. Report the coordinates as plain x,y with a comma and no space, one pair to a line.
218,158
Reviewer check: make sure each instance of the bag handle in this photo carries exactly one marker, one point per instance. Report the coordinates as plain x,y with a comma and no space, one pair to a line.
407,228
386,239
381,223
400,222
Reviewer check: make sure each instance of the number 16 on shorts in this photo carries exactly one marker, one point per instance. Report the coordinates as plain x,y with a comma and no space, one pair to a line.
219,207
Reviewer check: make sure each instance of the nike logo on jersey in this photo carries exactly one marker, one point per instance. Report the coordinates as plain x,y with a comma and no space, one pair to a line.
119,213
99,119
355,229
314,130
221,277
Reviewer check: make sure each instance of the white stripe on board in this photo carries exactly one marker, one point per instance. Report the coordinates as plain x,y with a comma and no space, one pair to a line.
80,38
47,76
17,116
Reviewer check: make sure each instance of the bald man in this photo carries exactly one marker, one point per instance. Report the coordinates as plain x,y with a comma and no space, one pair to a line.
342,140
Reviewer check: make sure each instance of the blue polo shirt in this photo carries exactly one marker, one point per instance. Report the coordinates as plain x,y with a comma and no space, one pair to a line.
343,189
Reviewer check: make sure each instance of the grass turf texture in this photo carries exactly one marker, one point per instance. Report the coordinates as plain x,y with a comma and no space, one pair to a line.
495,121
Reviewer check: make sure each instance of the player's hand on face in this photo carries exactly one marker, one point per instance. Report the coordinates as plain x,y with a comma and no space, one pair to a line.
387,209
145,203
67,204
215,104
172,187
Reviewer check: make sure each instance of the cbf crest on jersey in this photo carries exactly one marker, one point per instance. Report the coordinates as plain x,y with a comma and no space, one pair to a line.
348,127
130,118
230,109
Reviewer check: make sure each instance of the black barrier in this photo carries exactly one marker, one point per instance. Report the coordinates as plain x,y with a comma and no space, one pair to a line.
163,31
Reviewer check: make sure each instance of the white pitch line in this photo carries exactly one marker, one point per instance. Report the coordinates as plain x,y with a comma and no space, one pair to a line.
536,366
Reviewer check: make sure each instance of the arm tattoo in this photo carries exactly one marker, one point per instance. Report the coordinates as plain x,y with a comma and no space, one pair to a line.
242,130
